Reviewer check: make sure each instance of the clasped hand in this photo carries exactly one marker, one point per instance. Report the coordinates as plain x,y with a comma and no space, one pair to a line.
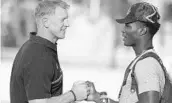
85,90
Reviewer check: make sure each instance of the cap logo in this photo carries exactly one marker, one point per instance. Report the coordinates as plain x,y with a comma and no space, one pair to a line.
151,15
129,10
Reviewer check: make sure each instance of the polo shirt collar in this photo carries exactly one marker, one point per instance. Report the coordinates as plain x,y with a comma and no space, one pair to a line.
43,41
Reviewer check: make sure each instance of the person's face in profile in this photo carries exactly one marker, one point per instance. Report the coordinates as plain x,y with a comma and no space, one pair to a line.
130,33
59,23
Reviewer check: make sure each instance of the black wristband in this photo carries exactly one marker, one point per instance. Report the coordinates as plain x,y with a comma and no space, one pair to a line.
73,95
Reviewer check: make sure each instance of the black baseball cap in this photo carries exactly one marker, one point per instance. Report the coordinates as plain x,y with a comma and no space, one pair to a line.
142,11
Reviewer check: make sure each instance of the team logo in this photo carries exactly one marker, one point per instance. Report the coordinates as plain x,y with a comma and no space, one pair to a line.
129,10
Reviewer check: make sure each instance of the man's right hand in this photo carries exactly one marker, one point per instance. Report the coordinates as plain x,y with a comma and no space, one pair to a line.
94,95
80,90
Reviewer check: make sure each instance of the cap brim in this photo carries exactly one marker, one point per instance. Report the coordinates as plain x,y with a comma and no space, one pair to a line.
125,20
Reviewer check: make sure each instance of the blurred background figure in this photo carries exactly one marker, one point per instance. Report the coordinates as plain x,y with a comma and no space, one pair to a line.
93,40
19,21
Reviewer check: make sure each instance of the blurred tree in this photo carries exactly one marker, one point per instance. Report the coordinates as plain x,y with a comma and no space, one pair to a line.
116,9
21,20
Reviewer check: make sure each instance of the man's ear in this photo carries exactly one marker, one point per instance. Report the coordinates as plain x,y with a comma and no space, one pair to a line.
45,22
142,31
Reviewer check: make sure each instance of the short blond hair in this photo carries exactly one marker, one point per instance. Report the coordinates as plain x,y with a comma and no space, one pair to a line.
47,7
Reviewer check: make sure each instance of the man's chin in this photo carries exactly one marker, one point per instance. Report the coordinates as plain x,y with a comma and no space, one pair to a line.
125,44
61,37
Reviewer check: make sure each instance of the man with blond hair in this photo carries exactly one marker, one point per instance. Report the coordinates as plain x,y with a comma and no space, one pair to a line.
36,75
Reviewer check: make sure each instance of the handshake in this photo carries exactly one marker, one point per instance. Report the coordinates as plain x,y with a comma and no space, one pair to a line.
85,90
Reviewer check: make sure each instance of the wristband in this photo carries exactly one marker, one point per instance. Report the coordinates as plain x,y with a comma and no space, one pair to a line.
73,95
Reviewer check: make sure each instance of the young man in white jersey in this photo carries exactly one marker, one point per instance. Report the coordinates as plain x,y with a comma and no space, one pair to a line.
140,26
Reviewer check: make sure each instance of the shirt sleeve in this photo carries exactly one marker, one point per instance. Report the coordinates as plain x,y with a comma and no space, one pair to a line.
38,79
147,76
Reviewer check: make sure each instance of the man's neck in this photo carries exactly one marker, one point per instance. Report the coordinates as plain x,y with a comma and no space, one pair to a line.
139,49
47,35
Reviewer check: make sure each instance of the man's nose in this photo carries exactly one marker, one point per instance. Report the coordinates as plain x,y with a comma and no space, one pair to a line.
67,23
123,32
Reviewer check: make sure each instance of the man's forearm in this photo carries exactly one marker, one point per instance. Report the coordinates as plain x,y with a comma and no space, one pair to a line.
64,98
112,101
97,97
